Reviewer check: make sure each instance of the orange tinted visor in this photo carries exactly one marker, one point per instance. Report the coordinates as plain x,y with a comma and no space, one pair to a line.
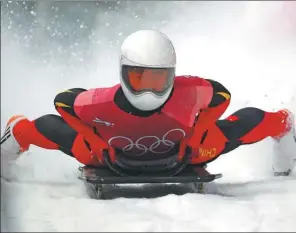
141,79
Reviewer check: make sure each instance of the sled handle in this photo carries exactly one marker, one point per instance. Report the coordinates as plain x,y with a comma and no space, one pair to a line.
172,172
114,167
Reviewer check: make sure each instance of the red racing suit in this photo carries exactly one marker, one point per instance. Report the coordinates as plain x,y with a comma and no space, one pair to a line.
187,119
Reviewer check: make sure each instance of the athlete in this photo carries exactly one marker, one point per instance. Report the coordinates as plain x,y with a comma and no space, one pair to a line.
152,119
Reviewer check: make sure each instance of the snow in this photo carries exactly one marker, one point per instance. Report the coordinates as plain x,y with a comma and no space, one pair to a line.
226,41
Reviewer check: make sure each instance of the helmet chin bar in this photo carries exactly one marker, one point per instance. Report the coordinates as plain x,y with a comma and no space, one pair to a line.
145,101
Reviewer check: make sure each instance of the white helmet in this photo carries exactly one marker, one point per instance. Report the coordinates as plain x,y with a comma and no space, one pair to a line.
147,66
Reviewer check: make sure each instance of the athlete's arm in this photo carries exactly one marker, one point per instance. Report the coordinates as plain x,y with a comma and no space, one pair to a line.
64,103
209,115
219,102
65,100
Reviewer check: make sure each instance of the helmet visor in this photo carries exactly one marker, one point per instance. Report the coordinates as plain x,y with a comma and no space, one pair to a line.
142,79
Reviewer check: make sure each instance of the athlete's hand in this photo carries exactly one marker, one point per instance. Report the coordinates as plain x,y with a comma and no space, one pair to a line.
99,154
198,134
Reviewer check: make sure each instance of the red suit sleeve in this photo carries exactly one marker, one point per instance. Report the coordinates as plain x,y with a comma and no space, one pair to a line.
210,114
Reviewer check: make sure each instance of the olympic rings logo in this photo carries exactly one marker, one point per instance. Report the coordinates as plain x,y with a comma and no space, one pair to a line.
155,147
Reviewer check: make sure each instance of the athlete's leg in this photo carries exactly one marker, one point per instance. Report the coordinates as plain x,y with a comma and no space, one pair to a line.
48,132
246,126
251,125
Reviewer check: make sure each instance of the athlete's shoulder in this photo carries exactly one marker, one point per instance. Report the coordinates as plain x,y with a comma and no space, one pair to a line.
198,89
191,81
97,95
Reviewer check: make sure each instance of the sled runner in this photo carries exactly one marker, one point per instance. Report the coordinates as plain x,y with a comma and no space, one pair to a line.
96,179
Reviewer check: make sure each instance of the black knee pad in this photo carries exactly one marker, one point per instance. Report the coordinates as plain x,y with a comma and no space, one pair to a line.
55,129
67,98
